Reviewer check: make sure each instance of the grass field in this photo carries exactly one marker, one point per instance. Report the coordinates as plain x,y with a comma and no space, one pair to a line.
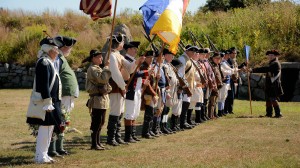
232,141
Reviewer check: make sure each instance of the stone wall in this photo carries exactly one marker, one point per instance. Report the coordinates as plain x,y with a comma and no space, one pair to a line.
290,79
17,76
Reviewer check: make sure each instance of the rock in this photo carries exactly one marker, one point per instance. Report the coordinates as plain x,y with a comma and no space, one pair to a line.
261,83
296,98
258,94
6,66
255,77
122,28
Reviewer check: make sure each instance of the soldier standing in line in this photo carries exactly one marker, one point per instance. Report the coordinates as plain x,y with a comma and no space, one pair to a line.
149,98
234,81
97,85
70,90
212,85
215,61
171,92
197,97
227,71
161,86
273,88
187,71
200,115
133,95
120,70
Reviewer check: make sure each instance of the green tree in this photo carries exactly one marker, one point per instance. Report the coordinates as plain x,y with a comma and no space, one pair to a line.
224,5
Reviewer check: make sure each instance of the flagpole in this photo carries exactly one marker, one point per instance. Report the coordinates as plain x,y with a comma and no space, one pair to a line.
112,29
249,88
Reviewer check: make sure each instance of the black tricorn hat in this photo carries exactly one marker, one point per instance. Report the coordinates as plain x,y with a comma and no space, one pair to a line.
149,53
233,49
132,44
216,54
47,40
93,53
62,41
191,48
166,51
275,52
176,63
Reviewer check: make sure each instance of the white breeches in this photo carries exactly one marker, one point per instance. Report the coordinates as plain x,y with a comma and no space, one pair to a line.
223,92
133,107
176,108
116,104
42,144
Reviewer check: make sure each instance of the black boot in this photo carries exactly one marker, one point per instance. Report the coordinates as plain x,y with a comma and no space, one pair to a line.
118,131
202,113
154,126
147,122
173,123
111,130
128,132
198,118
269,111
277,112
133,132
95,145
164,129
183,123
189,117
220,113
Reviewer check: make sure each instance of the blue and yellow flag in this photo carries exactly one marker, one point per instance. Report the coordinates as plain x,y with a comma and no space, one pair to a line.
164,18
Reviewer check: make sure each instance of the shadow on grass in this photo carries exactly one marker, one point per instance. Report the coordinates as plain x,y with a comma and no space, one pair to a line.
10,161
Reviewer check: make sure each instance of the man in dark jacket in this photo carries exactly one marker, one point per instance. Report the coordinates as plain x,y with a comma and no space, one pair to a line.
273,87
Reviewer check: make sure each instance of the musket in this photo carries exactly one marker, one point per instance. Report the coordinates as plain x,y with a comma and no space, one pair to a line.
44,31
182,82
195,39
202,76
212,46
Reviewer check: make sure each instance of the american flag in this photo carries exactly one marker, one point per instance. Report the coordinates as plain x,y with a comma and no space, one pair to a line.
96,8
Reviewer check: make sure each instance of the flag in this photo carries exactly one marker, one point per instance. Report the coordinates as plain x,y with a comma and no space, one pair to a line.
164,18
247,52
96,8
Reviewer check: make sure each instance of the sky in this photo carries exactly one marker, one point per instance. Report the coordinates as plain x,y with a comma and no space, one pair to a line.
38,6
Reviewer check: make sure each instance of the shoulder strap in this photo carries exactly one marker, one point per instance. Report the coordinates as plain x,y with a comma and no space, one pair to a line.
54,75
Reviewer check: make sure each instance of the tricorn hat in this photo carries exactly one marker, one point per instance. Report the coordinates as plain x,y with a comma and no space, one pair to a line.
274,52
48,40
132,44
191,48
93,53
63,41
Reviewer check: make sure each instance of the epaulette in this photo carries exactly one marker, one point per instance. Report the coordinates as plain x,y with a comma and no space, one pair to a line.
45,61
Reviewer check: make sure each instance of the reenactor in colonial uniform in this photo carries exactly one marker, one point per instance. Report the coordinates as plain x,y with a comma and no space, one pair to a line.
212,85
227,71
273,88
70,90
234,81
215,62
171,92
197,97
188,72
133,95
173,102
200,115
161,85
120,70
149,97
97,85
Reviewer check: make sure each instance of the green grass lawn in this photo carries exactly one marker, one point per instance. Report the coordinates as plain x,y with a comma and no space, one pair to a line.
238,140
